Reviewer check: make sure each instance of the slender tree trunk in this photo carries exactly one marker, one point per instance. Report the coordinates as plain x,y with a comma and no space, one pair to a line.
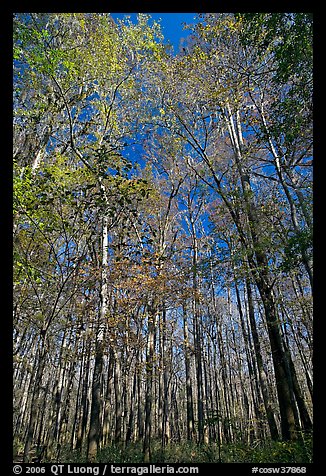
252,374
84,402
189,393
107,421
226,417
130,426
74,433
197,328
95,418
118,398
59,386
140,413
35,398
149,383
166,370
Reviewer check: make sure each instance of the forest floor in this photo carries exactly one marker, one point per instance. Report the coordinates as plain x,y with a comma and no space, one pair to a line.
261,452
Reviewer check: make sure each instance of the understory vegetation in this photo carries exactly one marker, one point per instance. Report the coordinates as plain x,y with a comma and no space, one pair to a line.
297,452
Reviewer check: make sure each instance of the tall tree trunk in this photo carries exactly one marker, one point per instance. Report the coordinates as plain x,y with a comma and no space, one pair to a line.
118,398
107,420
149,382
189,393
78,405
35,398
226,417
166,371
130,426
94,434
84,401
197,327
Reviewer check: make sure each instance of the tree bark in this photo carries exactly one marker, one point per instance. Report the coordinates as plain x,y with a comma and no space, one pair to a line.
94,434
149,382
189,392
260,365
35,398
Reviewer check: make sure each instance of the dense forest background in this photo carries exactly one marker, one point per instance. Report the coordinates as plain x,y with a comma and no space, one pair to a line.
163,271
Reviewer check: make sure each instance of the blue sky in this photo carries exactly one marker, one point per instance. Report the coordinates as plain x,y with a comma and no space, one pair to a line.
171,23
